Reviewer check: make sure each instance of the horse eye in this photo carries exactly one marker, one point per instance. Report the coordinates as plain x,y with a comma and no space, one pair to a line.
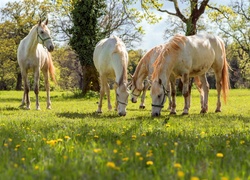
159,96
41,32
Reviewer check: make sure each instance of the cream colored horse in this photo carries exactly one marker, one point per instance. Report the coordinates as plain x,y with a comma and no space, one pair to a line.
189,57
34,54
111,61
142,74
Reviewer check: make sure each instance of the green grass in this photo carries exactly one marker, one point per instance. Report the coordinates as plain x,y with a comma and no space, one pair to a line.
71,141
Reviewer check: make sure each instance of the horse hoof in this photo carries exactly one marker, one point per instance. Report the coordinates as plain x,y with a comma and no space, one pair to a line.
173,113
203,112
49,108
142,107
185,113
98,111
217,110
38,109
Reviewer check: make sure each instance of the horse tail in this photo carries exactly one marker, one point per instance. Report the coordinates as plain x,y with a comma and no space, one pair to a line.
225,75
51,68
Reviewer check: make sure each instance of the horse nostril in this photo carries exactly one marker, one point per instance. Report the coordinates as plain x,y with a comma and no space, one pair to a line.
51,48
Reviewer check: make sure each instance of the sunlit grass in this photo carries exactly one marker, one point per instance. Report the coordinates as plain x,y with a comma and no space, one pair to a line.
71,141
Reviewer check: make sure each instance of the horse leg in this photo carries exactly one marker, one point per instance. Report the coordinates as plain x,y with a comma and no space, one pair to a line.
204,93
36,88
218,88
102,92
26,90
185,93
108,96
172,102
47,87
142,105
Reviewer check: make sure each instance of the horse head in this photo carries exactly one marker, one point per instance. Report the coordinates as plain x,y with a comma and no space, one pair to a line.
158,94
122,94
43,35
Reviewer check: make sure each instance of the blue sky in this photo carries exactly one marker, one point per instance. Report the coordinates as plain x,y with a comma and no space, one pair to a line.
153,33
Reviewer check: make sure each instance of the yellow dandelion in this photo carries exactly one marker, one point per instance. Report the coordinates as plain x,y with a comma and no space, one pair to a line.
65,157
176,144
29,149
172,151
143,134
224,178
23,159
194,178
44,139
97,150
115,151
125,159
78,135
237,178
133,137
5,145
180,174
140,158
242,142
59,140
51,142
18,146
10,140
202,133
137,154
15,165
36,167
149,154
167,125
111,164
16,149
96,137
165,144
177,165
219,155
149,163
24,140
66,137
118,142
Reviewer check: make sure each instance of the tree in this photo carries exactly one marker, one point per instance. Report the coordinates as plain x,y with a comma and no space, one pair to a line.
85,35
234,23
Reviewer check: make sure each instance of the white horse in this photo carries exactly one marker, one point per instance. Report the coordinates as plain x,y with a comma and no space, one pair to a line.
189,57
34,54
111,61
142,74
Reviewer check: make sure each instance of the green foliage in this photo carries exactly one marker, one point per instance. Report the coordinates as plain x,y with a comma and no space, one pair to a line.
71,141
85,31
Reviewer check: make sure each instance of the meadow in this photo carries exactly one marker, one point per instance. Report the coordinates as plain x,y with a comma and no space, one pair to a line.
72,142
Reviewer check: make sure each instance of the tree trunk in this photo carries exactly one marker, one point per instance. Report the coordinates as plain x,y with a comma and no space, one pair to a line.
19,82
89,79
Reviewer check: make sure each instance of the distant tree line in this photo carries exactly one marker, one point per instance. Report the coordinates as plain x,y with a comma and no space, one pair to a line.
79,24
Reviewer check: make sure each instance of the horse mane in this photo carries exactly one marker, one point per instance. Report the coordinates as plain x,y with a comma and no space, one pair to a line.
119,48
171,48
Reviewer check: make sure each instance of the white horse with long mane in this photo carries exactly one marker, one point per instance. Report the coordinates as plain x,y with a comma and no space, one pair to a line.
190,56
143,73
111,61
34,54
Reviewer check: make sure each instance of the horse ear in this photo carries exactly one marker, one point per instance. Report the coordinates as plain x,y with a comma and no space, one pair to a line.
39,22
46,22
160,81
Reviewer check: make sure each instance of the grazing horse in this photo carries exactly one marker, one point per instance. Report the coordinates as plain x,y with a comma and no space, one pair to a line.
142,74
111,61
34,54
144,71
189,57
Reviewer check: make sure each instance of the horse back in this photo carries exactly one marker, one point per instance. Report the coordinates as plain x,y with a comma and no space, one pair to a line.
110,53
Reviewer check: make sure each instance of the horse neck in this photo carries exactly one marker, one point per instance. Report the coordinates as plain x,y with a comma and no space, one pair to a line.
31,40
121,75
141,71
